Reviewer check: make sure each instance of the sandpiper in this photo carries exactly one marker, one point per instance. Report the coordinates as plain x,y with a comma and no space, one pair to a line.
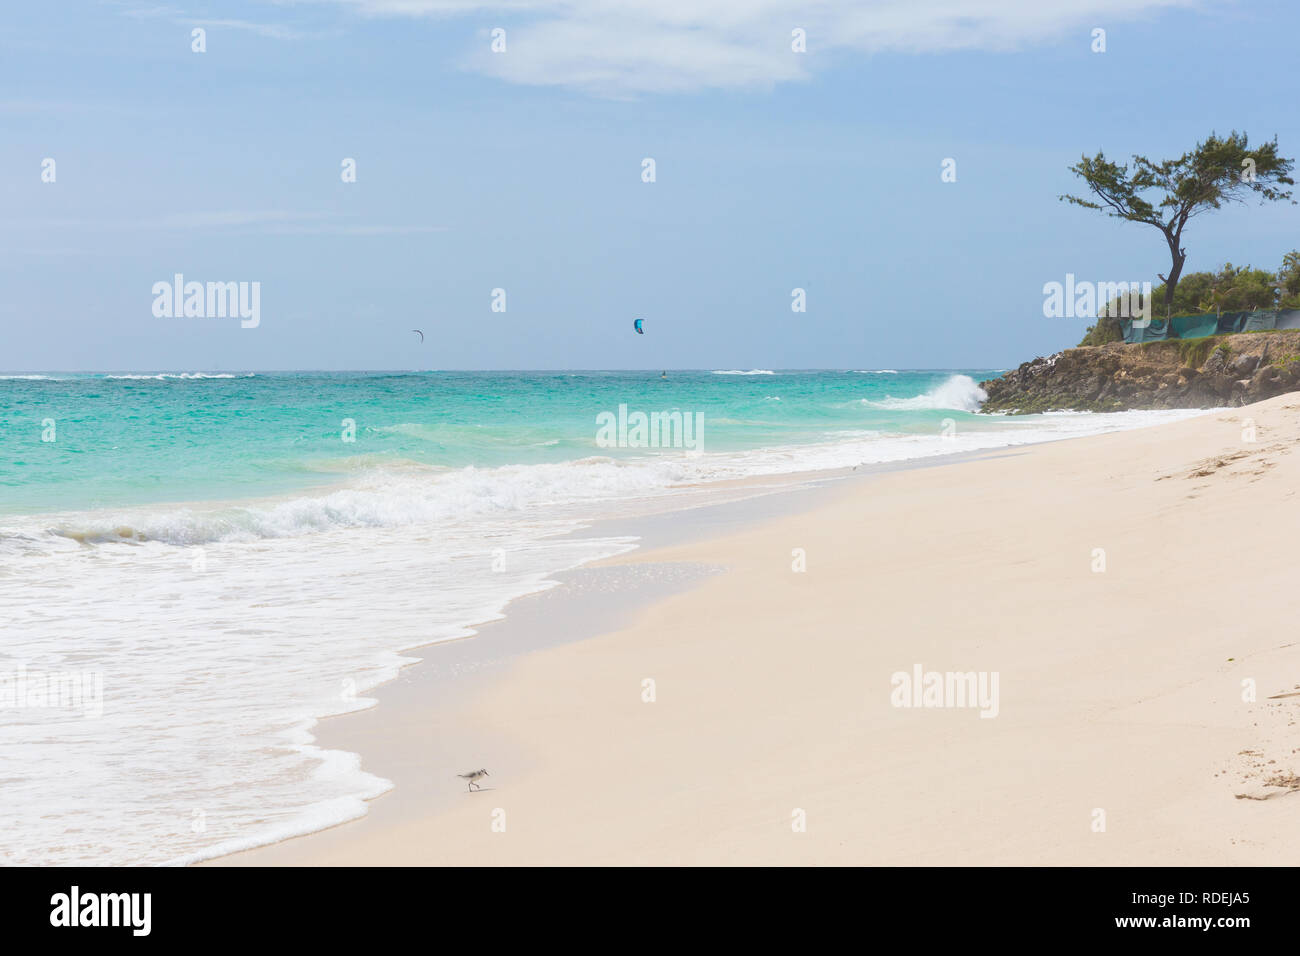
473,776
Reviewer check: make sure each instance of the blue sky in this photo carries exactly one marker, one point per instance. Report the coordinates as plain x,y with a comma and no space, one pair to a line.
522,170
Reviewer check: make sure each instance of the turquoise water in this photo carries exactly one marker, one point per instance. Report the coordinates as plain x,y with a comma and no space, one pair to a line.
144,438
223,569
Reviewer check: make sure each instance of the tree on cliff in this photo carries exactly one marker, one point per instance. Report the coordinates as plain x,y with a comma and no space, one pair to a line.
1217,171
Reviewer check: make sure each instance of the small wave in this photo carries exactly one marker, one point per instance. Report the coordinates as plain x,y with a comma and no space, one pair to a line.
876,371
124,534
161,376
959,393
736,371
32,378
381,497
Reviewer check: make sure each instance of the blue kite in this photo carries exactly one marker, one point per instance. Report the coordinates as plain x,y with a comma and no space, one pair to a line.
637,325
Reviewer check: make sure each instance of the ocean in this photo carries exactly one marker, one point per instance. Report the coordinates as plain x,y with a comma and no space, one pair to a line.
196,567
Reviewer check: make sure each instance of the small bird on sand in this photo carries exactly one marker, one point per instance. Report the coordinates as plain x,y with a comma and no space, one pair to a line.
473,776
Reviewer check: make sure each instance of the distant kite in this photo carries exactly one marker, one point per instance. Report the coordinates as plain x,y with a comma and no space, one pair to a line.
637,325
419,333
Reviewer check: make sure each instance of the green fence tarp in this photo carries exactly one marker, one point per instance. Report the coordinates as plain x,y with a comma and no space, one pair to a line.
1260,321
1195,326
1200,326
1232,321
1138,330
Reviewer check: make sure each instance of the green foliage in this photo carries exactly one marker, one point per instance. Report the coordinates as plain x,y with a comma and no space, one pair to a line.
1105,330
1168,193
1288,280
1190,295
1207,177
1231,289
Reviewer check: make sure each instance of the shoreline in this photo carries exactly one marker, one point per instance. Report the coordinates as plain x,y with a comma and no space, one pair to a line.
580,603
456,670
535,717
301,624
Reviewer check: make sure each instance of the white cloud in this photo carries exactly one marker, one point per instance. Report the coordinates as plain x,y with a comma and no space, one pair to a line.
272,30
629,47
140,12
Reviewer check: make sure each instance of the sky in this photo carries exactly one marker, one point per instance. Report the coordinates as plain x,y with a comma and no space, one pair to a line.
522,170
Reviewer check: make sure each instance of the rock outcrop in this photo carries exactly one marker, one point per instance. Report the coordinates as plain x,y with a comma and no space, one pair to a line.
1219,371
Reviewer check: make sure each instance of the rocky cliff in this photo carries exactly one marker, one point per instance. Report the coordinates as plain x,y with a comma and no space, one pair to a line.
1222,370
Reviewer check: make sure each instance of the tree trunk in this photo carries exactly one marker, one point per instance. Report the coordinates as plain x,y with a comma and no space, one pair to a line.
1179,256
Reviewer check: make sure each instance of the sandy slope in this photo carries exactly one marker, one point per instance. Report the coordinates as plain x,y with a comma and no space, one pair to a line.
1119,690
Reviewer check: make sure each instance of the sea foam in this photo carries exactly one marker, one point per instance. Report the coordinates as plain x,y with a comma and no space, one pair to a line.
959,393
223,631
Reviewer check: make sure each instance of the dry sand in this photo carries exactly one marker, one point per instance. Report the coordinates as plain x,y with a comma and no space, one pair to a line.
1123,734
